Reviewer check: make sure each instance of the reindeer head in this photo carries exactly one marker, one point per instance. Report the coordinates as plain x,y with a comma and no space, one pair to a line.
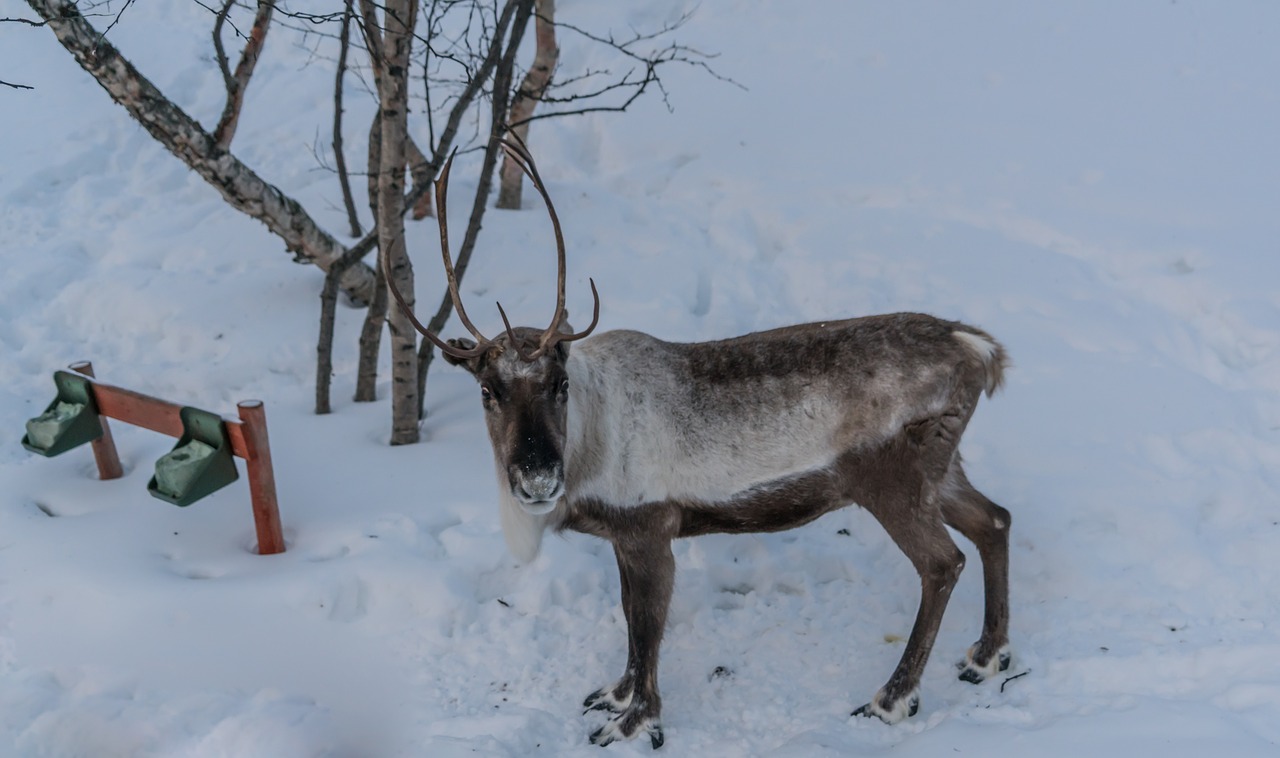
525,404
523,381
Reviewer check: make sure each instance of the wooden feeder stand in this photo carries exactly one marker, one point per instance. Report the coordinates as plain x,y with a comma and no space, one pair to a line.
247,438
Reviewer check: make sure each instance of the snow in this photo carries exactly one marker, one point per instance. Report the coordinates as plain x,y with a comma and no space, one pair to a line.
1093,183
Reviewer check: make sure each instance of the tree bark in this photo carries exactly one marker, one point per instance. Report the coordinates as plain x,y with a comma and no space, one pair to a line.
393,91
181,135
535,83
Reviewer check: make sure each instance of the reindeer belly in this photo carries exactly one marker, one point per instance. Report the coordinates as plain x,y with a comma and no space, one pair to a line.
783,503
720,468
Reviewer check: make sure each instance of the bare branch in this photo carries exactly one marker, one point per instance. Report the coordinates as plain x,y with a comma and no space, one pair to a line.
181,135
115,20
3,83
454,122
532,89
239,81
339,157
219,52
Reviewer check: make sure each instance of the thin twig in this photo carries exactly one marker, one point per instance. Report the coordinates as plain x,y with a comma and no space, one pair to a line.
114,21
1015,676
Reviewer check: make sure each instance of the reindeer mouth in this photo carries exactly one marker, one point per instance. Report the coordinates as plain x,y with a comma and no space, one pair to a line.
539,507
538,496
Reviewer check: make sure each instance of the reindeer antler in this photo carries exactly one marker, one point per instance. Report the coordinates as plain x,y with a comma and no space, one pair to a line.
482,343
520,154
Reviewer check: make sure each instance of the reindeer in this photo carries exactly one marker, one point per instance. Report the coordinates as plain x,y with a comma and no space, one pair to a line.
639,442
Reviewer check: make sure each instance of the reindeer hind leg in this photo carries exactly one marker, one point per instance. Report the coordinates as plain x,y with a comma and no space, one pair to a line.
986,525
895,484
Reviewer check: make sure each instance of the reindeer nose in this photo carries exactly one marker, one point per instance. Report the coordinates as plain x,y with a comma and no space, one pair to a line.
539,486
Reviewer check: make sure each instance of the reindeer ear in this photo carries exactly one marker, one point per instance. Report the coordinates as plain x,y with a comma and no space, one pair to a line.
564,322
473,365
562,348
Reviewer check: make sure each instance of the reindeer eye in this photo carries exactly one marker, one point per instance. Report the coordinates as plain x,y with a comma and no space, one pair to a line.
485,394
563,392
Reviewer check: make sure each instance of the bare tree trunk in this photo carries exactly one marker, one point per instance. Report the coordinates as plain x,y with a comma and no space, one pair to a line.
238,82
328,313
324,349
371,343
393,90
501,97
339,157
182,135
535,83
420,168
376,315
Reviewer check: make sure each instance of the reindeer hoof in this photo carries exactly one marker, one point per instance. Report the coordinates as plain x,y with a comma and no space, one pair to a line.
607,735
628,725
890,713
601,737
975,673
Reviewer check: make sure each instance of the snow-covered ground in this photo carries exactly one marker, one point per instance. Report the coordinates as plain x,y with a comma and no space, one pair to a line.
1095,183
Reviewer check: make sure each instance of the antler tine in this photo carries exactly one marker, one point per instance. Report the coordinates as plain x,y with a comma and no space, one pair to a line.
595,318
442,193
511,337
519,152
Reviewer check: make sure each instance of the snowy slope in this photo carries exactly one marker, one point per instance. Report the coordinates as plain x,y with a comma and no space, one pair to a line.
1094,183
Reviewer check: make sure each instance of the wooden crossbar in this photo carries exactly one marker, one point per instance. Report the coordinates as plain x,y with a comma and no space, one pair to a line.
247,437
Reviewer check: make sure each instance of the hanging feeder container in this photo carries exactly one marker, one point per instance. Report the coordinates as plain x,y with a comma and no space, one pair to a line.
199,465
70,420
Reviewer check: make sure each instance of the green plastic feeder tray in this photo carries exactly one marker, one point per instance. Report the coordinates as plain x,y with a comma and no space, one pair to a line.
70,420
199,465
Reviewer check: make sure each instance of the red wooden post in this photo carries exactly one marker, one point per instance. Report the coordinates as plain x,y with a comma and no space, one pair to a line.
104,448
262,478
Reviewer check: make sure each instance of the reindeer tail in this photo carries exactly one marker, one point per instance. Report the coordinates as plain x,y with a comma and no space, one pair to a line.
989,353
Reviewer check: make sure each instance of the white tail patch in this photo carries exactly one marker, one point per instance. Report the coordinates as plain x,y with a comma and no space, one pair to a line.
989,352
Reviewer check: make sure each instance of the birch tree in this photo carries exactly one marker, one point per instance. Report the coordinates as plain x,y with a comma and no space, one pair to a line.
461,55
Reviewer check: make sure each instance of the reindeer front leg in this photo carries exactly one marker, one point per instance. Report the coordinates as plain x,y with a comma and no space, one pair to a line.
647,571
617,696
